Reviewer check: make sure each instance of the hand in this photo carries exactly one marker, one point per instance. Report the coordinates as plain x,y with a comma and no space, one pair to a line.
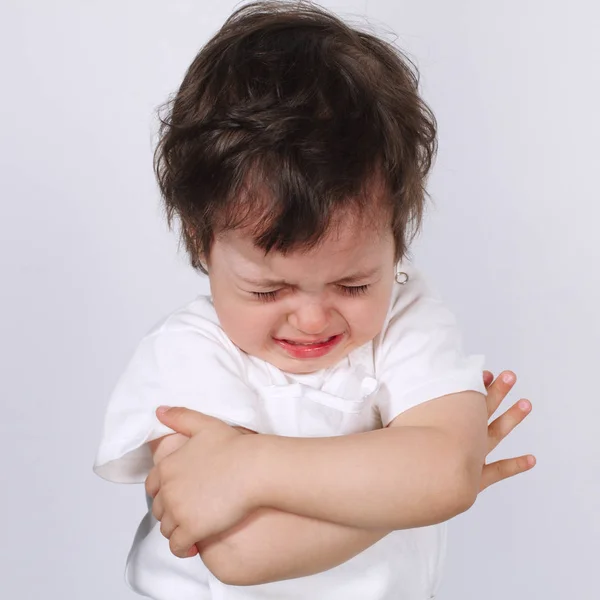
204,487
501,427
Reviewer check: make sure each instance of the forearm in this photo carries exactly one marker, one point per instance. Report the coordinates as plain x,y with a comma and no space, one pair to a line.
271,545
425,479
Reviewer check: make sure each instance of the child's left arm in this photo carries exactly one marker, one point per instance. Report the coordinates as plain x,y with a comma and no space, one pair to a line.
423,469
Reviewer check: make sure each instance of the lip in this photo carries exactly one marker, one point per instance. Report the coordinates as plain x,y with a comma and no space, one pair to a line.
310,350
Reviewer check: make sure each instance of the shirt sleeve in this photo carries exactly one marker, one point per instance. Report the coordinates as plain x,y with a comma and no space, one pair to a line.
181,367
419,355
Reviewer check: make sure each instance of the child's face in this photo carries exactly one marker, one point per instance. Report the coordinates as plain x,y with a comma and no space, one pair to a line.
270,305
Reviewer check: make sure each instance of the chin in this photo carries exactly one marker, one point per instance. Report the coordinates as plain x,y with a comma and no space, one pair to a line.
303,367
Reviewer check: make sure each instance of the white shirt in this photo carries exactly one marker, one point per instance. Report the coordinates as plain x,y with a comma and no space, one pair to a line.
187,360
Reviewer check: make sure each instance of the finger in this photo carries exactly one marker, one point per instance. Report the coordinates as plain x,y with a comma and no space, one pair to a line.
158,509
180,543
499,390
183,420
506,422
152,484
488,377
167,525
503,469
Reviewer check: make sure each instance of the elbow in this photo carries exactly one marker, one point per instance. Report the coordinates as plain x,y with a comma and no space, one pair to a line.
458,479
225,564
220,562
465,498
454,499
232,577
464,487
466,464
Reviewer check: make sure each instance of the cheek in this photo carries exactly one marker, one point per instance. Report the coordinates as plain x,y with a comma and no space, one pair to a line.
248,325
366,317
263,322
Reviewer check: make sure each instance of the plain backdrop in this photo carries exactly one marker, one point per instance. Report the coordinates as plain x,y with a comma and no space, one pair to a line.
88,266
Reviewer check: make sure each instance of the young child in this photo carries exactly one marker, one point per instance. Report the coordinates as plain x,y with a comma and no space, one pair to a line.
295,157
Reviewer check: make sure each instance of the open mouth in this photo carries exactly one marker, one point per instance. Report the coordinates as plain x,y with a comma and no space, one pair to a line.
324,341
315,349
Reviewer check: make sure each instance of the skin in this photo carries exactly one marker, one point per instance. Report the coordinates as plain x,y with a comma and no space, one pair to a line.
322,295
271,545
310,302
428,471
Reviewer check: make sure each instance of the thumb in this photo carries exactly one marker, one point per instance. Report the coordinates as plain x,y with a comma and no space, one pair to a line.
182,420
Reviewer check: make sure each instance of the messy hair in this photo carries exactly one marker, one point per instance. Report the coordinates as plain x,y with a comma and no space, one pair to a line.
287,120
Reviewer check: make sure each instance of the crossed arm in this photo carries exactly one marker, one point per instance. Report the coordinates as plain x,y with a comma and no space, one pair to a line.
428,467
272,545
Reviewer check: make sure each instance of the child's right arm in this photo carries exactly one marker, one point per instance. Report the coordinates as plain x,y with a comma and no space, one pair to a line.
271,545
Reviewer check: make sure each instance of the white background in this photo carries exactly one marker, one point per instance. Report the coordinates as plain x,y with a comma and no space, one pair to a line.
88,267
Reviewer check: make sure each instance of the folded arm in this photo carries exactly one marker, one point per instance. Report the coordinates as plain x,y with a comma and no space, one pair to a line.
423,469
272,545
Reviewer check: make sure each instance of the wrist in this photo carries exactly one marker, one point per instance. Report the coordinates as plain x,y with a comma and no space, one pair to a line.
259,473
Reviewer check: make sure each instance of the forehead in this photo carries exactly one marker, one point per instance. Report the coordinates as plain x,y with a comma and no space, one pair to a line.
350,245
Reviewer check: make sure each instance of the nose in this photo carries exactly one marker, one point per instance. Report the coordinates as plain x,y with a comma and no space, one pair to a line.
310,319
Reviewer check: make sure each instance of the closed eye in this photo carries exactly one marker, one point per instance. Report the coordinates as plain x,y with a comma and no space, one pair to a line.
266,296
354,290
349,290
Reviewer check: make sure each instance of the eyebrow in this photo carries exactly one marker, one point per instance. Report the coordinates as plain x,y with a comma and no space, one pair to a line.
274,283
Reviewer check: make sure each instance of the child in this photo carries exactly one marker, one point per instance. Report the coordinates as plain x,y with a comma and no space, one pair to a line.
295,156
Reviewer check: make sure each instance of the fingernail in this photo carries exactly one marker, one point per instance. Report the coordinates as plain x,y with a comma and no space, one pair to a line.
524,405
508,377
531,460
162,409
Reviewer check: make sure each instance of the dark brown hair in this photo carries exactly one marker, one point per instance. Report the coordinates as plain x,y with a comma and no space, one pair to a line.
283,122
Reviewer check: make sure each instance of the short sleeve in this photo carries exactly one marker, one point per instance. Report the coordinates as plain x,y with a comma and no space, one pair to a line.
419,354
176,367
